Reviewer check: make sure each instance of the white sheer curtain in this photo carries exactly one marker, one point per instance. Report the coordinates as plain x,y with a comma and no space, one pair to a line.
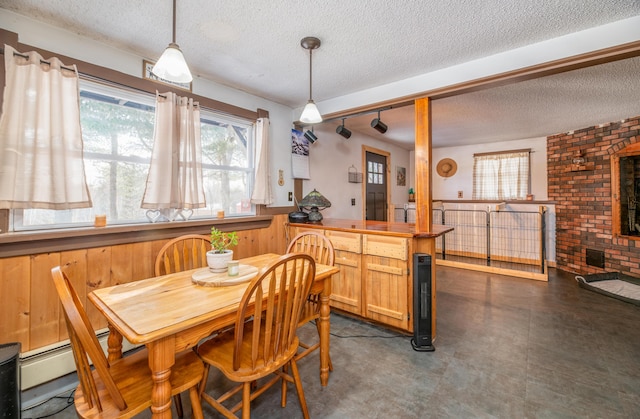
175,174
501,176
262,193
41,151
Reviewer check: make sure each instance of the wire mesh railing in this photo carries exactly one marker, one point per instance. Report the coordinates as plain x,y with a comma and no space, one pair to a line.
499,238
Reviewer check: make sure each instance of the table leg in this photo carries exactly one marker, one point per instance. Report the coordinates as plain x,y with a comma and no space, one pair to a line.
161,359
114,341
324,332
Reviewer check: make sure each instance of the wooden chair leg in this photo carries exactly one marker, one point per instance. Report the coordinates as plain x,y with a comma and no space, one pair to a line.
246,400
205,377
178,402
196,405
298,382
283,396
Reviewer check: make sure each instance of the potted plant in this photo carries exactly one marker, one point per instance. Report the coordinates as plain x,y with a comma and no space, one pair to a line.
220,254
411,195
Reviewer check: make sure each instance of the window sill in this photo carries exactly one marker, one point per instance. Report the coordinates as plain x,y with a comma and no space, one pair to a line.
44,241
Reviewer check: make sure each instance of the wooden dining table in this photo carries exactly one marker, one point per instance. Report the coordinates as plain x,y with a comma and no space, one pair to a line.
170,313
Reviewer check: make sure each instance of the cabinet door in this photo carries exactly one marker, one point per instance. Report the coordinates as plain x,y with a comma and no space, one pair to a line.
386,293
346,287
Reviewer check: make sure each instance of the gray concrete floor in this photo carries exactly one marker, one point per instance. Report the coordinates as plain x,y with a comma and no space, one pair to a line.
505,348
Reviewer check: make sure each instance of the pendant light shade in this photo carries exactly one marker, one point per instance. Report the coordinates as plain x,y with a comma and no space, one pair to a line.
172,66
310,113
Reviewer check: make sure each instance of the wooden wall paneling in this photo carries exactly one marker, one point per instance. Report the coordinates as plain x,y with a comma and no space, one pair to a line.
74,265
15,307
122,261
98,276
44,301
143,261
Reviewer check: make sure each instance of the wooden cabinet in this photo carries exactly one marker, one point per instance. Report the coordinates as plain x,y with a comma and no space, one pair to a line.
376,268
386,280
374,276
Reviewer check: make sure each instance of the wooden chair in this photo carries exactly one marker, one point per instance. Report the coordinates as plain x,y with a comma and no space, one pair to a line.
183,253
321,249
123,388
266,343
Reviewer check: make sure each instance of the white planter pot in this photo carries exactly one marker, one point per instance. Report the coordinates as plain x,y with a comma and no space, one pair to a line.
218,261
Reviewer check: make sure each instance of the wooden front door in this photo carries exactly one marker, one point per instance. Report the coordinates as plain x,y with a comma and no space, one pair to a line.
376,186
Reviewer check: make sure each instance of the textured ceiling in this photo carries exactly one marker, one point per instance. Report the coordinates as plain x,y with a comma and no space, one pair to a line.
254,46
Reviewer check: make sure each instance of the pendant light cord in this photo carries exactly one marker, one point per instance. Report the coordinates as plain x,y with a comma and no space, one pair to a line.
310,72
174,21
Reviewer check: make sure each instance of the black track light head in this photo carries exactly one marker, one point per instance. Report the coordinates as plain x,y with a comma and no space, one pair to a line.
379,126
310,136
343,131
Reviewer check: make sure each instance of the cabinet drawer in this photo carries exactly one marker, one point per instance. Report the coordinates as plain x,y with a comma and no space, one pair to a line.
386,246
350,242
299,230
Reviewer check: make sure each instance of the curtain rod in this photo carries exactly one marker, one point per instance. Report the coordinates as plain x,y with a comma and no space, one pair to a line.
522,150
17,54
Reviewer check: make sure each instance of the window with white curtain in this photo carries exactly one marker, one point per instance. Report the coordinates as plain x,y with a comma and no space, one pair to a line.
501,176
117,131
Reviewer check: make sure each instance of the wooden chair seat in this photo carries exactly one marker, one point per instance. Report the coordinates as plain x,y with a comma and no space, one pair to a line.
266,343
133,378
123,388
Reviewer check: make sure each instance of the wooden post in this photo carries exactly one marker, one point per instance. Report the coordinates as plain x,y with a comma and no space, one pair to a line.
424,216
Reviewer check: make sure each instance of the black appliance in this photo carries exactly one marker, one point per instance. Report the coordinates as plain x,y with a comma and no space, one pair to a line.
422,307
298,217
10,380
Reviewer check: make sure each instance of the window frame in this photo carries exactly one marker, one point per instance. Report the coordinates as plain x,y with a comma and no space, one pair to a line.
31,242
498,154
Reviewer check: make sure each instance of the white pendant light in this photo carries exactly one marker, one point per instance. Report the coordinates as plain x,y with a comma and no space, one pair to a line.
310,113
172,66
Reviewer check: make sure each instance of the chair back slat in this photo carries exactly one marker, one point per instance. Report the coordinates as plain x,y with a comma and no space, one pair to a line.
183,253
315,244
276,297
85,344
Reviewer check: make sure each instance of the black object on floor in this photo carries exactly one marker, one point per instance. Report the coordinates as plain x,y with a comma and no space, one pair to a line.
10,380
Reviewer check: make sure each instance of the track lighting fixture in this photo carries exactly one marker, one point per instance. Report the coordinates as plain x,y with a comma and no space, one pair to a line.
378,125
310,136
310,113
171,65
343,131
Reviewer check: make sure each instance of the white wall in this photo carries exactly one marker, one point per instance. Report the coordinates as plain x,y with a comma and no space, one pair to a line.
330,158
66,43
447,188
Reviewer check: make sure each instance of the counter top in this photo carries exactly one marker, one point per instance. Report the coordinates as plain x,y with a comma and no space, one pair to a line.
377,227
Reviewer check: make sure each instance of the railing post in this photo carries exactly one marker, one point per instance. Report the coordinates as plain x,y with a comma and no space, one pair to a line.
488,223
543,240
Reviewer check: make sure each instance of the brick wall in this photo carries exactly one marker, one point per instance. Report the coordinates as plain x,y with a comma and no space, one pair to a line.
583,198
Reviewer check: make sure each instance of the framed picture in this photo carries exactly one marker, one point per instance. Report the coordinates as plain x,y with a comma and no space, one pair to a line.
147,66
401,176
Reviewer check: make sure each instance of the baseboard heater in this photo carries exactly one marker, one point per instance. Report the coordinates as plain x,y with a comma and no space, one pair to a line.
50,362
422,307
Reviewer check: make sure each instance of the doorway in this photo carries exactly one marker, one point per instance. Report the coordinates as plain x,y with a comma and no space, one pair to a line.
376,185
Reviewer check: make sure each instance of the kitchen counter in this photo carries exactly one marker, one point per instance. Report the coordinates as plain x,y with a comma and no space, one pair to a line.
376,227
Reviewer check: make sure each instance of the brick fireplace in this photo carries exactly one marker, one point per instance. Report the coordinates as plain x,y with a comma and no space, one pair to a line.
579,180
